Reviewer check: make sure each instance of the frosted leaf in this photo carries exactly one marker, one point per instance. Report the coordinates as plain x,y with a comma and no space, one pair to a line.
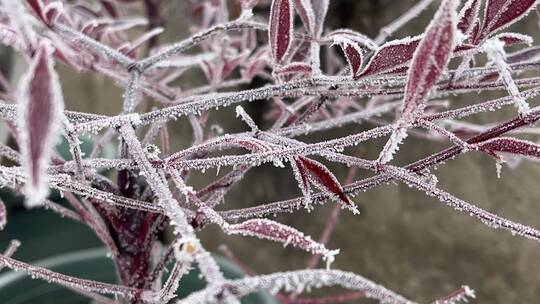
514,38
429,61
274,231
302,179
353,54
502,13
468,16
40,110
280,29
316,173
298,281
304,9
495,51
391,56
68,281
294,68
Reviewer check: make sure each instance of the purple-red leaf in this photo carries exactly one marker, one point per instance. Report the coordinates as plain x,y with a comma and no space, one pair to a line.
305,11
515,38
429,62
354,56
320,8
40,111
37,7
468,16
322,178
502,13
294,69
430,59
392,55
312,13
280,29
511,145
270,230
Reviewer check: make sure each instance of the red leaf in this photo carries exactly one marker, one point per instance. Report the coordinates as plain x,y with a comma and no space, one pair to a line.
392,55
270,230
312,13
294,68
515,38
511,145
502,13
354,56
37,7
110,7
468,16
280,29
301,177
320,8
230,64
41,105
257,63
322,178
430,59
305,11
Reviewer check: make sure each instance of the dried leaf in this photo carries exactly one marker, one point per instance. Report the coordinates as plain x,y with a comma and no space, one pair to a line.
41,105
280,29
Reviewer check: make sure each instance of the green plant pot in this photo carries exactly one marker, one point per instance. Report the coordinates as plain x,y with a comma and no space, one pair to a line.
20,288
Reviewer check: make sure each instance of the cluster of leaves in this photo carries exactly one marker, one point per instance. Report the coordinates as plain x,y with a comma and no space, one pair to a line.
408,80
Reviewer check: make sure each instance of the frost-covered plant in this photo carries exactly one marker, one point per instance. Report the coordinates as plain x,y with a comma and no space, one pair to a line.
402,85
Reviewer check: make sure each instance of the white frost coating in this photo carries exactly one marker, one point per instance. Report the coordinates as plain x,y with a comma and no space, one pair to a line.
34,195
240,112
494,48
392,145
297,282
178,218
